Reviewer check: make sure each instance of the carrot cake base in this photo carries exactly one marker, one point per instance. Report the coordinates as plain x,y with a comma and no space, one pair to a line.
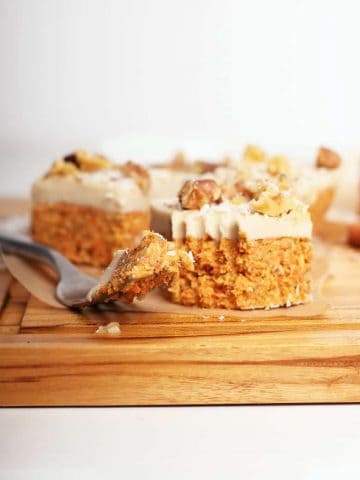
244,274
87,235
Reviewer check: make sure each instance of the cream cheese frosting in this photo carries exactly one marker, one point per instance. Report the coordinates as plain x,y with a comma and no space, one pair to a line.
230,221
105,189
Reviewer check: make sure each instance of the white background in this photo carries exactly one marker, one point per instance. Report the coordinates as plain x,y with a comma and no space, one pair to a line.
222,443
283,73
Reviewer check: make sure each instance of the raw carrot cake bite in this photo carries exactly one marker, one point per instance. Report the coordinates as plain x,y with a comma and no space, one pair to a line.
88,207
133,273
251,247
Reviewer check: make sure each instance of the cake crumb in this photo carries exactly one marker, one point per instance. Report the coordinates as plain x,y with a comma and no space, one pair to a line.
112,328
221,318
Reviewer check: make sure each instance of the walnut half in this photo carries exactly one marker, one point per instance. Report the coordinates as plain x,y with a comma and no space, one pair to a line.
194,194
327,158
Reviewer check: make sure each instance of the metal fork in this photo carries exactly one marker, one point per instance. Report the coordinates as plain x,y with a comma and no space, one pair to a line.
73,285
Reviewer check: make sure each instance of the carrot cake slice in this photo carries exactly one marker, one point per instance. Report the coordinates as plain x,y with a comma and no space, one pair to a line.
88,207
251,250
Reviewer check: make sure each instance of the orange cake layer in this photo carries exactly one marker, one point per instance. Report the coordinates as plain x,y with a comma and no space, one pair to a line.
244,274
87,235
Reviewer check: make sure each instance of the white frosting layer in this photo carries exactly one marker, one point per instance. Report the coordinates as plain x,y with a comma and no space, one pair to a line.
106,189
230,221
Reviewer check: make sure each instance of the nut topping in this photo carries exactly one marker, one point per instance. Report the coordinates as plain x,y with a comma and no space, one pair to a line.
273,203
253,153
327,158
86,162
61,168
194,194
81,161
278,165
139,174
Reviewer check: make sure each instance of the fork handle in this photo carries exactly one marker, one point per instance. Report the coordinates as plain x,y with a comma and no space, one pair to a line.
21,245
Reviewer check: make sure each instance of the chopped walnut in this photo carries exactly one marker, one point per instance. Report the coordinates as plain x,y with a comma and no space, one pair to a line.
253,188
139,174
91,163
61,168
194,194
283,182
72,158
253,153
236,192
273,203
278,165
327,158
244,174
81,161
241,188
238,199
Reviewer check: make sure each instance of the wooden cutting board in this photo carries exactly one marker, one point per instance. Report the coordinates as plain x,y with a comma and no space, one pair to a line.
53,357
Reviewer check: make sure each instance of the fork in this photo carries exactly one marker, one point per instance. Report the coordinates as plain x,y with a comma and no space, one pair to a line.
73,285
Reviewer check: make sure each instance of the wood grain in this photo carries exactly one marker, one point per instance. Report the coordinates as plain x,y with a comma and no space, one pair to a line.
170,359
5,280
